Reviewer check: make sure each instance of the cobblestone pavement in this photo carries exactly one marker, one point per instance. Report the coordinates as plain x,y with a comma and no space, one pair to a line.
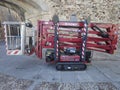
30,73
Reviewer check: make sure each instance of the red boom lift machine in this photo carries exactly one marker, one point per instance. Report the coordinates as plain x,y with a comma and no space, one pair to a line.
69,44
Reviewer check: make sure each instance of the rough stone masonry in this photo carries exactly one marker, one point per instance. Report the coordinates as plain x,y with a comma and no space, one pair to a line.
99,10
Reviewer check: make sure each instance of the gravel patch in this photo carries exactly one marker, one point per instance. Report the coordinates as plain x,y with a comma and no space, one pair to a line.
76,86
11,83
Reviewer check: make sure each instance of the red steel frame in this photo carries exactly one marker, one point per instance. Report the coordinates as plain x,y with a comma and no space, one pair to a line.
45,36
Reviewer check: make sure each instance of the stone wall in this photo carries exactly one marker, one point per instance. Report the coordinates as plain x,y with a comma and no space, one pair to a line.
103,11
99,10
6,15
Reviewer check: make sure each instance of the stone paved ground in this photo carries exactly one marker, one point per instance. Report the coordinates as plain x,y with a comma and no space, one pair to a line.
12,83
30,73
